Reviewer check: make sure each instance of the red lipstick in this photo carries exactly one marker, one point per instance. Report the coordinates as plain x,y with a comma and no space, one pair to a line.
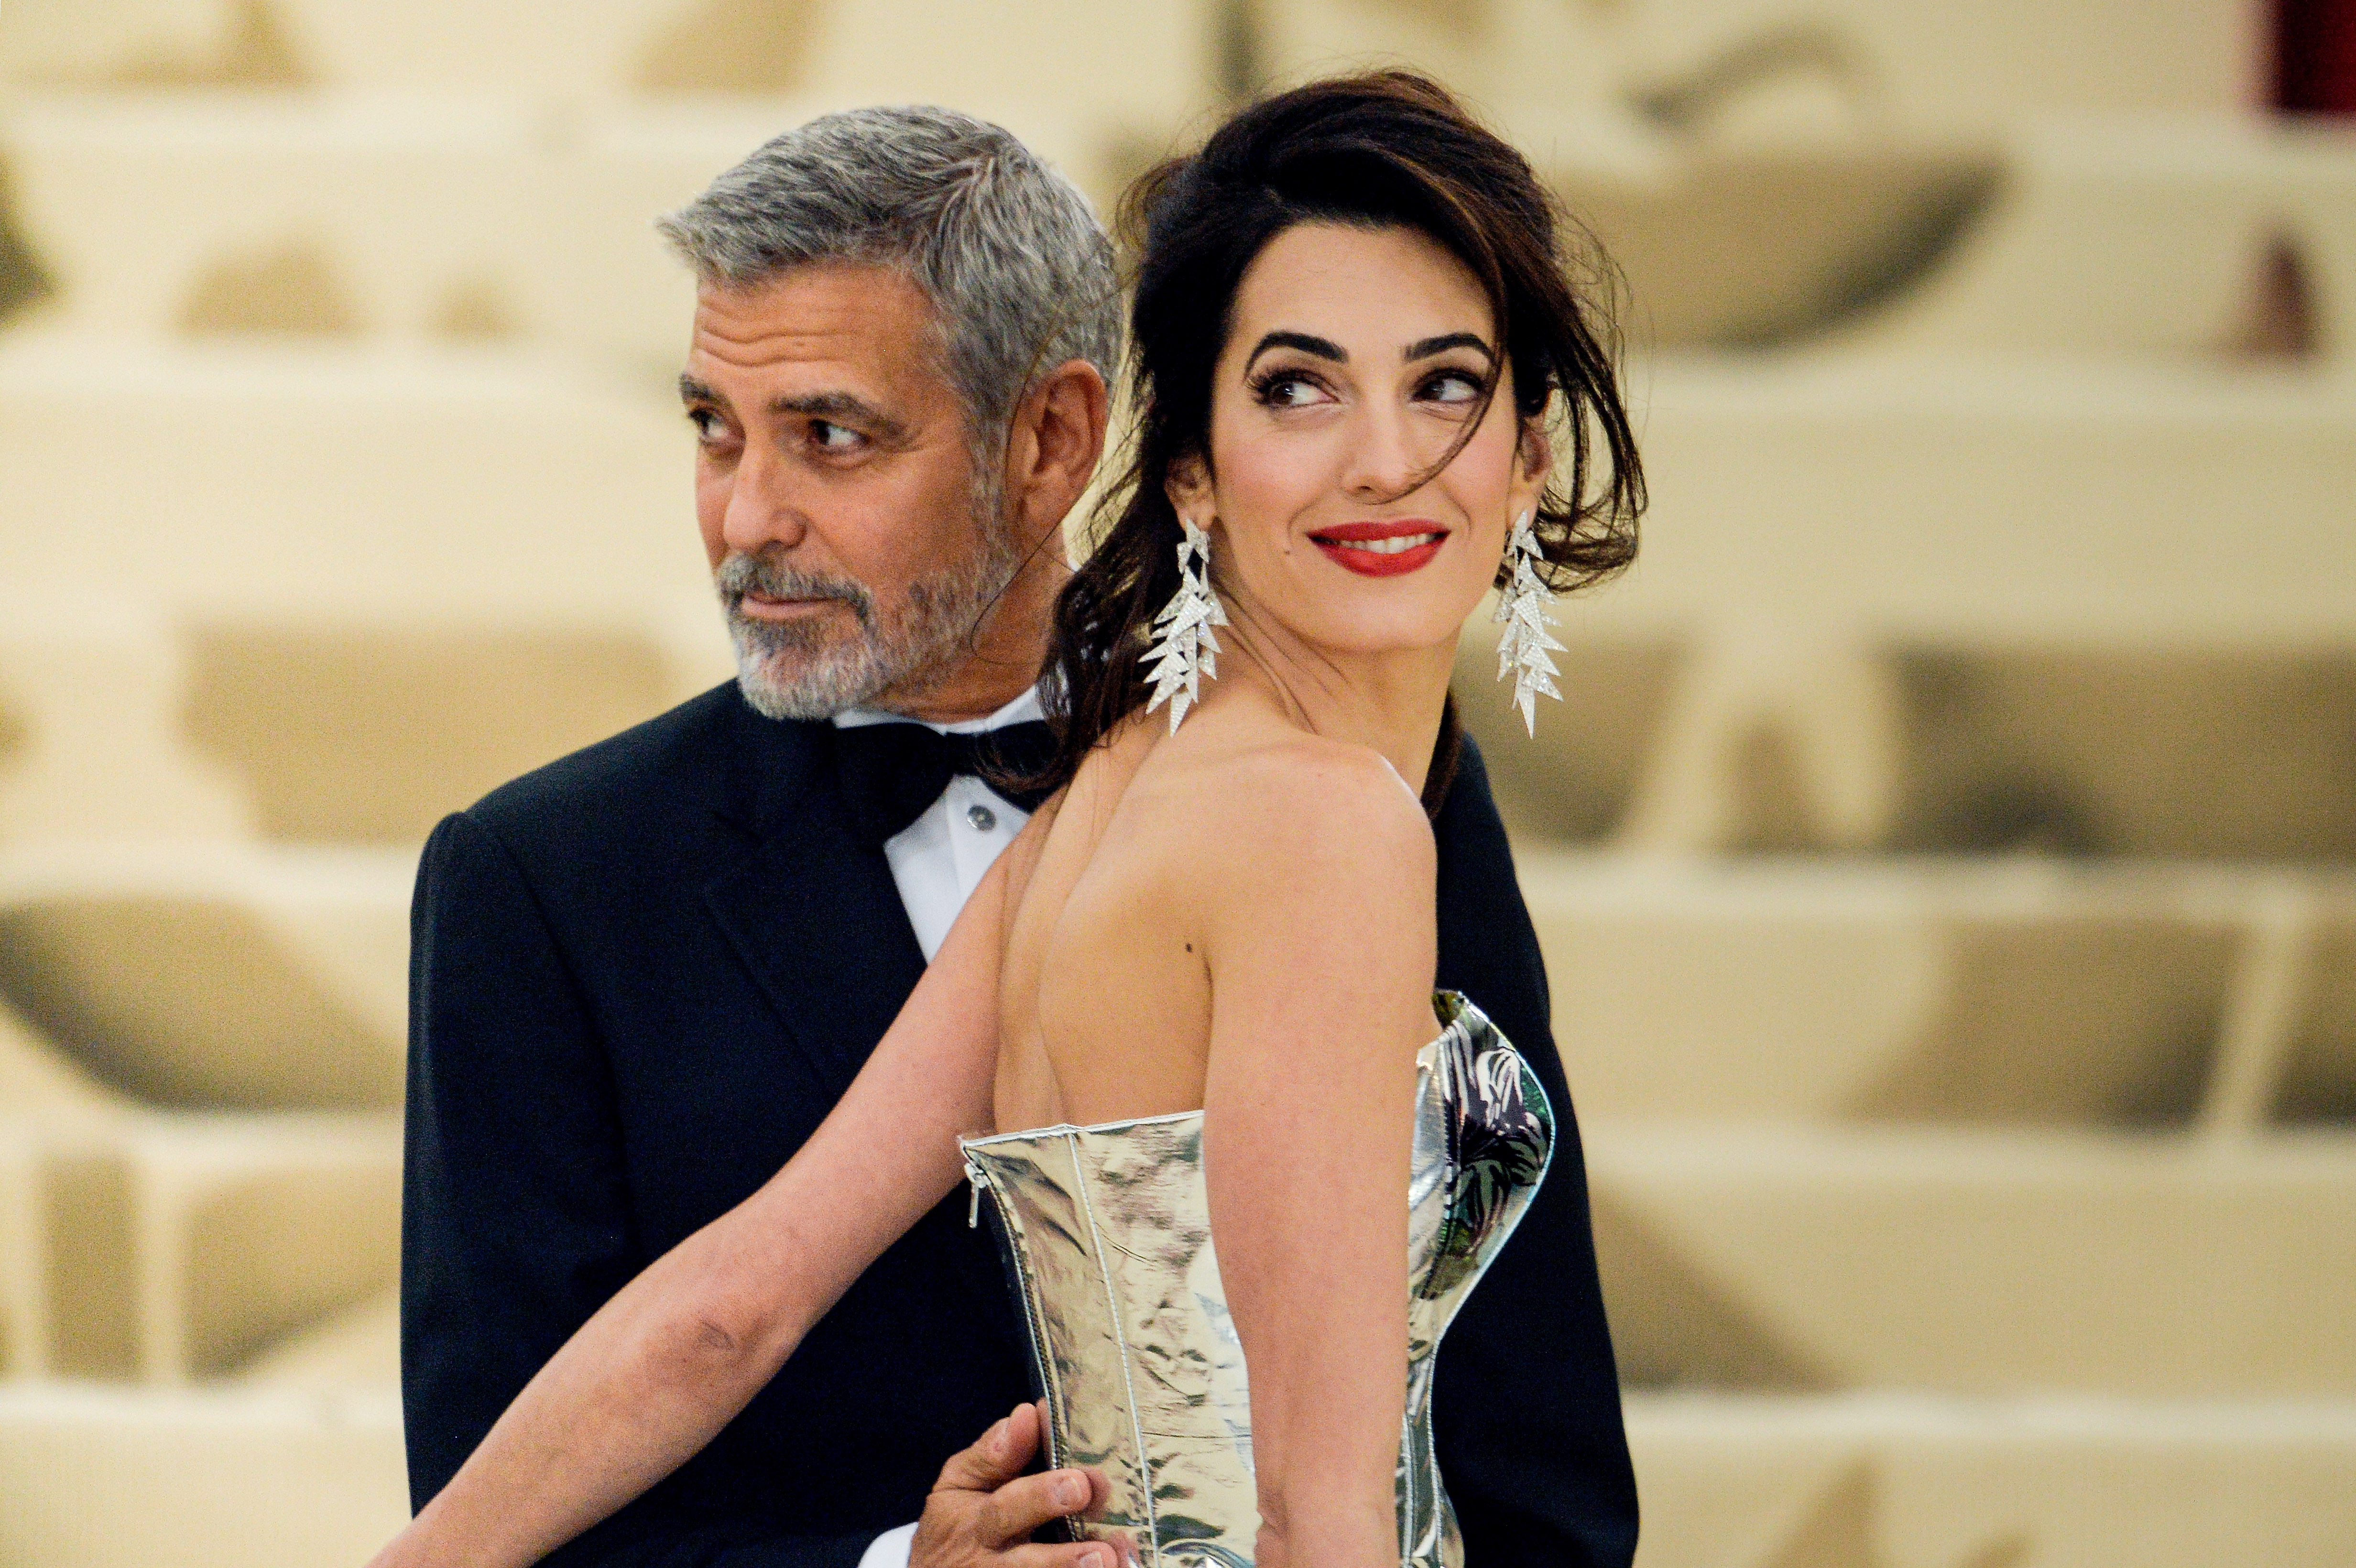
1390,547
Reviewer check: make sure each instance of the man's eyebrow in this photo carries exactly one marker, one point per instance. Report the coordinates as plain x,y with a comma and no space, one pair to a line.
692,390
1323,347
1425,347
848,407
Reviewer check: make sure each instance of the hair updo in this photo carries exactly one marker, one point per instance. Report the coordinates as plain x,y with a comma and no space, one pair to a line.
1379,150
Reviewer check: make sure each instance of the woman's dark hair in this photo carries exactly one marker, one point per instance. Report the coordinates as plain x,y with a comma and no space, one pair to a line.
1380,150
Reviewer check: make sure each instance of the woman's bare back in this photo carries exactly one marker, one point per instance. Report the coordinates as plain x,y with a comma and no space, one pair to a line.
1105,983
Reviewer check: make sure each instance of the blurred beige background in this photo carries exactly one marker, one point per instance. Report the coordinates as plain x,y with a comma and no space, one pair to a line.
1946,857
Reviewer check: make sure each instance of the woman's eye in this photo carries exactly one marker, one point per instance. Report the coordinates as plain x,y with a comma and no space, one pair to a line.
1290,392
1452,387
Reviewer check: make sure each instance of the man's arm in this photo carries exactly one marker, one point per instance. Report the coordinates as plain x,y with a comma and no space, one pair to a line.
516,1214
1526,1410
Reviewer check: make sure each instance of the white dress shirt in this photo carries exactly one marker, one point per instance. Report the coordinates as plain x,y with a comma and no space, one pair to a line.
936,862
939,859
889,1549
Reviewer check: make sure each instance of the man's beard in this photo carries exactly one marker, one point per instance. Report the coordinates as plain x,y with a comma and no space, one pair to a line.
813,669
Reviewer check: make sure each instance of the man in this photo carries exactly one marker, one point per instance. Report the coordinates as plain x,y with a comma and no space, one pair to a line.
642,976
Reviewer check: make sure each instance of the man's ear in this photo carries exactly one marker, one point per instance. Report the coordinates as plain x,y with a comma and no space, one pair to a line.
1188,486
1058,439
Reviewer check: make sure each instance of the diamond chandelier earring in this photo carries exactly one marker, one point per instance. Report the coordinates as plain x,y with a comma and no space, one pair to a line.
1526,649
1184,648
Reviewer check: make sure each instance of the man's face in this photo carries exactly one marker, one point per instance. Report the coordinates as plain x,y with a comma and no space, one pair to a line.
854,552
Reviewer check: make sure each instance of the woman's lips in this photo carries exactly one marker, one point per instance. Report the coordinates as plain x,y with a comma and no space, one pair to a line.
1387,549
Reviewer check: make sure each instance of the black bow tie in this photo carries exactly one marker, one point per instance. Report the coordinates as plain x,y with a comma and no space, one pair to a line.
890,772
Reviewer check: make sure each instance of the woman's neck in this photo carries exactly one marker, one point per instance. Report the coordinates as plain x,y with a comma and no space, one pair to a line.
1390,701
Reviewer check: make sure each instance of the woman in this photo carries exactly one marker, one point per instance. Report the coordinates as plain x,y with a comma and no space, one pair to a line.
1202,973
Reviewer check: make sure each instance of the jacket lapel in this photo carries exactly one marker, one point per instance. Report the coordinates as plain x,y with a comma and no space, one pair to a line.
812,911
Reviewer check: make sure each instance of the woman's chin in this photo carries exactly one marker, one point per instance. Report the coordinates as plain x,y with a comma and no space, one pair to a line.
1344,640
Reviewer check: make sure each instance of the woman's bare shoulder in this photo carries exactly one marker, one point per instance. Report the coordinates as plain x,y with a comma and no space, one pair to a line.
1276,804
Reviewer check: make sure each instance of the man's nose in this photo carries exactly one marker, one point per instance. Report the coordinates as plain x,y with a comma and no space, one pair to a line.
760,509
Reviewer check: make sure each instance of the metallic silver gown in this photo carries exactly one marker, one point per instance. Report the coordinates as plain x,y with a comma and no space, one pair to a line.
1107,1236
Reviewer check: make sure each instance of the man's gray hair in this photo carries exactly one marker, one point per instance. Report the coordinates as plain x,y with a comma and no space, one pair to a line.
1016,266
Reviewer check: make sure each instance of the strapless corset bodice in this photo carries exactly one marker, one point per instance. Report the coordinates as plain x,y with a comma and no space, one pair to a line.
1107,1236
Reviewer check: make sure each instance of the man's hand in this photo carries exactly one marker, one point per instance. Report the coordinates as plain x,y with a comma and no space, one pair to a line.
983,1509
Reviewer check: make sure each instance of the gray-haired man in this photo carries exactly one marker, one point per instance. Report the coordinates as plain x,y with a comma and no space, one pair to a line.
643,976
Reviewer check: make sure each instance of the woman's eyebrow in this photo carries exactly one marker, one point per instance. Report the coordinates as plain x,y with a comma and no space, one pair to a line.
1323,347
1425,347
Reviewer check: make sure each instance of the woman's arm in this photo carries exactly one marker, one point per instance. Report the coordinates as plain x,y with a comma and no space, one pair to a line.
672,1357
1320,938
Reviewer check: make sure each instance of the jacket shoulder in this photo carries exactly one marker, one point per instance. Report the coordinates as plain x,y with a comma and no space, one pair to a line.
680,761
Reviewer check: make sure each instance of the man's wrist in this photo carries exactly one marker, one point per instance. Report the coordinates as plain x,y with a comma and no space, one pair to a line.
889,1549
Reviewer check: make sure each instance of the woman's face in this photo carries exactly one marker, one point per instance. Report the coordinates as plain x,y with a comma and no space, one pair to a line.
1356,357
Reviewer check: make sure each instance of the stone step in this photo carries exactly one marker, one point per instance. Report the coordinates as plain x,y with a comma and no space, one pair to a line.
1156,67
266,1477
160,1248
288,469
220,978
1776,673
352,218
1926,495
1703,67
358,1348
1984,1262
97,1477
484,218
250,707
1978,744
1882,1480
2025,993
2148,234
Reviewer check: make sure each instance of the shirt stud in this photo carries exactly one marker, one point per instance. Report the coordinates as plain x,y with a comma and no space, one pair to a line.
982,817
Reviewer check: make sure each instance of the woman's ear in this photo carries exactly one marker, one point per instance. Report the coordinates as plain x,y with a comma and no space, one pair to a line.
1188,486
1533,463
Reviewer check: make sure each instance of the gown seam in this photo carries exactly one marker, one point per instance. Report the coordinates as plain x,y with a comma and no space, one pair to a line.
1120,1337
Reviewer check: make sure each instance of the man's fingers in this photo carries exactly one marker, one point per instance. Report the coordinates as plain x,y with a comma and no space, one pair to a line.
1022,1506
996,1457
1093,1554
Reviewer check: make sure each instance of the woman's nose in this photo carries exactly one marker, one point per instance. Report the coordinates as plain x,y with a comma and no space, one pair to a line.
1382,464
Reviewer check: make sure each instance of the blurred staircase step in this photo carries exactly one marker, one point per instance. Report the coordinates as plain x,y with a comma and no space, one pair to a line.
483,219
304,481
2147,234
1888,1480
358,1348
171,1248
2154,748
219,978
95,1477
2023,992
44,1097
1156,67
2029,493
1978,1262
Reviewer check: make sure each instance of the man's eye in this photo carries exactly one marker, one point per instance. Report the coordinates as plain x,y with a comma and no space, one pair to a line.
834,437
707,424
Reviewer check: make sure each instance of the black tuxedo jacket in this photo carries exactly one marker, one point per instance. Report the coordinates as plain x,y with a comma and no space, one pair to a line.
640,978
